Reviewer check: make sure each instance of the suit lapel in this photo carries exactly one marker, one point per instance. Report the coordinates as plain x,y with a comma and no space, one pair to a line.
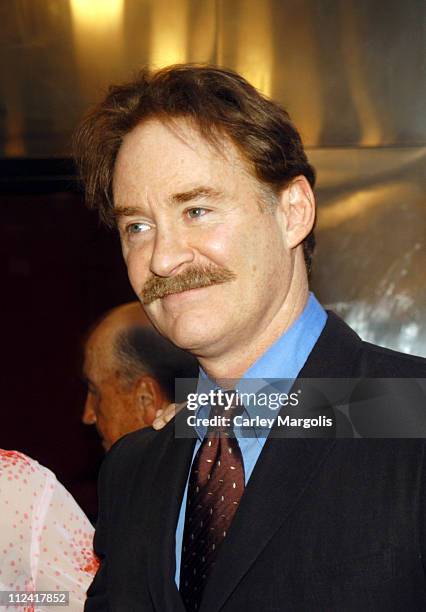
166,497
336,353
283,471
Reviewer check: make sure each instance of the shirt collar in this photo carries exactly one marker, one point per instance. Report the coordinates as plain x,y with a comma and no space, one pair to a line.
283,360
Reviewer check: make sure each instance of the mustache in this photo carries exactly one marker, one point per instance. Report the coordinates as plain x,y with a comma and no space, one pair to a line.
193,278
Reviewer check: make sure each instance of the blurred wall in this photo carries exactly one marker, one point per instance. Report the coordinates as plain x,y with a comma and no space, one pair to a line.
350,72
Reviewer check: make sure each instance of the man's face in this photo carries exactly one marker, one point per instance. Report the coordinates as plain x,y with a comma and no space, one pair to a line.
110,403
181,204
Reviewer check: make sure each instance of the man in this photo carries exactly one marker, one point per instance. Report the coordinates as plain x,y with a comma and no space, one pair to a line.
130,372
211,192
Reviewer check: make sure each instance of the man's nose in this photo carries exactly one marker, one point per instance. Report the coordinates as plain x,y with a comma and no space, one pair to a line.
171,251
89,416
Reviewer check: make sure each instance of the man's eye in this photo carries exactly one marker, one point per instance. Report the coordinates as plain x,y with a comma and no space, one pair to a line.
91,388
194,213
137,228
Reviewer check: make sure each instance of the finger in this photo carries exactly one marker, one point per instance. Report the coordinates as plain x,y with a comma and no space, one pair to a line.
164,416
169,414
158,423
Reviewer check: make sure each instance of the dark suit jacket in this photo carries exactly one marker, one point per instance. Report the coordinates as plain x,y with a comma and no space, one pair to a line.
324,525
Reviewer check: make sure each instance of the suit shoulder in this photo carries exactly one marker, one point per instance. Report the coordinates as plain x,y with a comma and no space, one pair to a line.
134,444
383,362
125,455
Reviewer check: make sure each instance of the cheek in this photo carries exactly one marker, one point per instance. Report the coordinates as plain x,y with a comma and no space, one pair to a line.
264,258
217,244
137,268
103,427
227,245
110,421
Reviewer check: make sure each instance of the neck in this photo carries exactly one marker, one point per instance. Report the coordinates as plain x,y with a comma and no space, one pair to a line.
236,361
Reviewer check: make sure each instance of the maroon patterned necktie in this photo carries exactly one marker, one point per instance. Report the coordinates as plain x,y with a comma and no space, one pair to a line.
216,484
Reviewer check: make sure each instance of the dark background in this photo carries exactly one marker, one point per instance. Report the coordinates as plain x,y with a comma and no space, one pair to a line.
60,271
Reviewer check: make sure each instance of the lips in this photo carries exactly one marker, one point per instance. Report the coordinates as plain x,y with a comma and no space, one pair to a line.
182,294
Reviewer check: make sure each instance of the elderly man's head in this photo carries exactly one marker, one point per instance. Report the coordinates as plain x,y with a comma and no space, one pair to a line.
211,191
130,371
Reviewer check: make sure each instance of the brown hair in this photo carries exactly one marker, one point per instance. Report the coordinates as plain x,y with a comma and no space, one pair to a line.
217,100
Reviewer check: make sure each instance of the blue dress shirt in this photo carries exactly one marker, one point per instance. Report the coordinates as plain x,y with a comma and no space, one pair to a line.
283,360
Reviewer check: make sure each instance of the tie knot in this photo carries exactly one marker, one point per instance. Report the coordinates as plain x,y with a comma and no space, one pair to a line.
226,405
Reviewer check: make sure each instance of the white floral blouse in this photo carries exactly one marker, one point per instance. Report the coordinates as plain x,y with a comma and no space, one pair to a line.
45,538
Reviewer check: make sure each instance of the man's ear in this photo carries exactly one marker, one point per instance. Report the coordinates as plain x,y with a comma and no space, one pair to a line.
148,397
298,203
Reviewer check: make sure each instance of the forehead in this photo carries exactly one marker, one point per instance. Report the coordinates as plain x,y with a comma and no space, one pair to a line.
161,157
98,353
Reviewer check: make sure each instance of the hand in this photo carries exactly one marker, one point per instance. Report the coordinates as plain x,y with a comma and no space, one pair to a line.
162,417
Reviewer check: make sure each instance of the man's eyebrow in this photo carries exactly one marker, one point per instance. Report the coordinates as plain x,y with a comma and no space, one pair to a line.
125,211
193,194
176,198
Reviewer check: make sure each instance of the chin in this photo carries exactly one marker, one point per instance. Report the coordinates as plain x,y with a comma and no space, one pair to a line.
193,331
